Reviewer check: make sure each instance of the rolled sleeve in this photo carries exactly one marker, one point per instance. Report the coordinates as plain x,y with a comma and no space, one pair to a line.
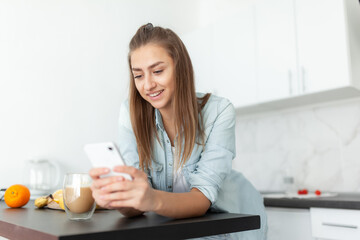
216,160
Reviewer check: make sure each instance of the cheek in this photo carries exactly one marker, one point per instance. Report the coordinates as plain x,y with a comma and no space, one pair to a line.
172,84
138,86
169,81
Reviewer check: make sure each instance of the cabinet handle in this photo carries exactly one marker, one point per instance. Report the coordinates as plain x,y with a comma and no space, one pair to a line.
303,79
339,225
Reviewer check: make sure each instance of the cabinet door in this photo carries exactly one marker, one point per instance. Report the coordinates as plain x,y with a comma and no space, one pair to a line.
199,44
223,51
288,223
234,55
336,224
275,49
322,48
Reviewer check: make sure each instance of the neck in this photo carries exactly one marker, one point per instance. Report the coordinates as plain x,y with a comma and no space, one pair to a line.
169,123
167,115
167,119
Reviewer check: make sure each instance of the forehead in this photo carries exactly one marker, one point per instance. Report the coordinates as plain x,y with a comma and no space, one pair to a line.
148,54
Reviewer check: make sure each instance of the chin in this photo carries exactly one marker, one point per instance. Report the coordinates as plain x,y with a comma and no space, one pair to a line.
158,105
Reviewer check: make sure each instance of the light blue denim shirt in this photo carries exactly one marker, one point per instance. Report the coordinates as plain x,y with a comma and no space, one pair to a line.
209,169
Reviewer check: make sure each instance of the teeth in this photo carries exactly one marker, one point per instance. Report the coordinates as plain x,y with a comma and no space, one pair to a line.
155,94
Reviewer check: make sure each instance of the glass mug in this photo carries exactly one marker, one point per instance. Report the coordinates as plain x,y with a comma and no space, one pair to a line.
78,201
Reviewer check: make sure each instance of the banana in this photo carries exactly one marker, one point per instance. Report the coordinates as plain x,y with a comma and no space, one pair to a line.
43,201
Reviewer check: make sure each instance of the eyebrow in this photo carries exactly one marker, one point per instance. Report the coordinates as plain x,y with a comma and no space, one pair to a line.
151,66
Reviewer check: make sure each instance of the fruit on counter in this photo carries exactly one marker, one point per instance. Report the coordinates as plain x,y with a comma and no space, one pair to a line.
17,196
43,201
54,200
318,192
303,191
58,198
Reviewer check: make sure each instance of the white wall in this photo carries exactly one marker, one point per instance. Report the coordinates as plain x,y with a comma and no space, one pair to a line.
63,74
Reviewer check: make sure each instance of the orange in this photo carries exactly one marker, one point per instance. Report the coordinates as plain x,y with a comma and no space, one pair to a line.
58,198
17,196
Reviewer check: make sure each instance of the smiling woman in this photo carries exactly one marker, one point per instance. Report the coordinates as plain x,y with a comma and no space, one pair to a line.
153,71
167,85
179,144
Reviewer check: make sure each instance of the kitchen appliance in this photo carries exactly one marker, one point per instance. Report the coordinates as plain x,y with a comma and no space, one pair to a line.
41,176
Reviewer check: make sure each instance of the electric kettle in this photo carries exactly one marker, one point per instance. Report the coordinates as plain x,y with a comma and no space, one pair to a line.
41,176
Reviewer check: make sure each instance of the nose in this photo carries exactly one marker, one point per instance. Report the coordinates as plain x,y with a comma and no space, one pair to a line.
149,83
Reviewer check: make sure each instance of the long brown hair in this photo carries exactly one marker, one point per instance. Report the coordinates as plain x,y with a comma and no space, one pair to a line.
186,106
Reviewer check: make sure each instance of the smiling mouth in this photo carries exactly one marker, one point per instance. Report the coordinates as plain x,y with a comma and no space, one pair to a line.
155,94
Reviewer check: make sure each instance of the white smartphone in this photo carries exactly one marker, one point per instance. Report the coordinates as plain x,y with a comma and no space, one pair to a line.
105,155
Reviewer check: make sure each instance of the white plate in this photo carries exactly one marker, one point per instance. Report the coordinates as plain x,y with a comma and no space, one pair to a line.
295,195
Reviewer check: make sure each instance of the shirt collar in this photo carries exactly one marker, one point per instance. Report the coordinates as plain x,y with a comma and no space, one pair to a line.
158,120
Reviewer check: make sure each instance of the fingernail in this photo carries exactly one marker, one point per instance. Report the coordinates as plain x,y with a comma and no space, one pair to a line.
120,179
106,170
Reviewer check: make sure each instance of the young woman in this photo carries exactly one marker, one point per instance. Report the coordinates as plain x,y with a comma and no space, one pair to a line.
178,144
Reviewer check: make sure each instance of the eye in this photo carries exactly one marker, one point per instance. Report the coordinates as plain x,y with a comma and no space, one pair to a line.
137,76
158,71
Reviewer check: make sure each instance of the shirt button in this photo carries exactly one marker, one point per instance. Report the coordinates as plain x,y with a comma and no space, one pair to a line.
170,164
167,141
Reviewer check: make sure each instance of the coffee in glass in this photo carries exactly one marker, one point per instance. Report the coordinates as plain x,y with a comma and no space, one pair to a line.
78,201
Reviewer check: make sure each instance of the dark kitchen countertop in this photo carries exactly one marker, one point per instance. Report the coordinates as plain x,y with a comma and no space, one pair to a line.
341,200
31,223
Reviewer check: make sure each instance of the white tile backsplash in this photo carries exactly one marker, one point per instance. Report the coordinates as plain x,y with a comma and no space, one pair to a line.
318,145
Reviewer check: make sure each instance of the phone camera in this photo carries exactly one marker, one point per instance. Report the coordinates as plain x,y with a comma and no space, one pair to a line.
110,148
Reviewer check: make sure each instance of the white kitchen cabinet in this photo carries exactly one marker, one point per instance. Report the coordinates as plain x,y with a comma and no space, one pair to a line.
305,47
275,49
222,50
336,224
234,58
288,223
265,55
200,48
322,44
313,223
301,47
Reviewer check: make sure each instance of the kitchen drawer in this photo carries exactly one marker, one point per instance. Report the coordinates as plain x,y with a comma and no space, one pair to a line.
339,224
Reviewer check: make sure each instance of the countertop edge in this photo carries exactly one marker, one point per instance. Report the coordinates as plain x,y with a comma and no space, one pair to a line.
341,201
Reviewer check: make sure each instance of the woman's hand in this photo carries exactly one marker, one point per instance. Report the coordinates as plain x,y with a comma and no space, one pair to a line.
99,183
137,194
117,193
132,198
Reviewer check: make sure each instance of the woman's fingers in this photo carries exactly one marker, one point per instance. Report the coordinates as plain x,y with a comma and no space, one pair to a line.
102,182
117,196
95,173
119,185
97,196
133,172
118,192
103,186
116,200
122,204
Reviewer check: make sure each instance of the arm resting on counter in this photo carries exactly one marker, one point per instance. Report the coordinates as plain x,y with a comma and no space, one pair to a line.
130,212
181,205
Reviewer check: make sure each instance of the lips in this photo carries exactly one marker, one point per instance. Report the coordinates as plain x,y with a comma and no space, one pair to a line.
155,94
